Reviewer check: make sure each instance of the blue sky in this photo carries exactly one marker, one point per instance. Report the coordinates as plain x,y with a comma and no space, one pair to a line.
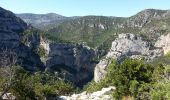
122,8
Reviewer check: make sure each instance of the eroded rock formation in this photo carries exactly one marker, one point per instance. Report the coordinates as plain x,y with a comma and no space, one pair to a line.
126,46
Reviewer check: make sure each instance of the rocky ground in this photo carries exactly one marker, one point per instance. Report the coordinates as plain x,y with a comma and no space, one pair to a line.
103,94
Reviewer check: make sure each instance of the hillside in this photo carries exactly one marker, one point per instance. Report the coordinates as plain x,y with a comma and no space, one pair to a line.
88,53
99,31
11,30
42,21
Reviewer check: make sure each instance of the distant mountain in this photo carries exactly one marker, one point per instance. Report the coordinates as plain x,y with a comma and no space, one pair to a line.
97,30
90,29
73,46
42,20
100,31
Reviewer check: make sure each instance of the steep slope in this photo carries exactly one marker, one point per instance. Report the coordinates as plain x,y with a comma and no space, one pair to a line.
37,51
93,30
97,30
11,29
142,18
127,46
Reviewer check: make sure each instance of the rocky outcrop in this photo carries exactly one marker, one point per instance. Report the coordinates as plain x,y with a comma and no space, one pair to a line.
126,46
164,43
145,16
11,28
76,60
99,95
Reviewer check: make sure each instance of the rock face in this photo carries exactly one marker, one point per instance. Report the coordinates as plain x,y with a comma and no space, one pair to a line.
99,95
9,22
145,16
11,28
77,60
125,46
164,43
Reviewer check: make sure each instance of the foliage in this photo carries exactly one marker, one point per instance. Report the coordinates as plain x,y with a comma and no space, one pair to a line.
22,86
161,91
41,52
132,79
48,85
168,54
93,30
41,85
161,88
93,86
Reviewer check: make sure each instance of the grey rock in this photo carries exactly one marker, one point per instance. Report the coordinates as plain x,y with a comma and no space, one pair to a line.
164,43
11,28
103,94
126,46
76,59
144,17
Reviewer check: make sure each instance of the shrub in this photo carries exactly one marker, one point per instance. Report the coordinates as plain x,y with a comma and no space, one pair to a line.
167,54
131,78
93,86
161,86
48,85
23,86
38,86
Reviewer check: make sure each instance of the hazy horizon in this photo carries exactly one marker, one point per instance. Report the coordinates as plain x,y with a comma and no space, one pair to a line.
120,8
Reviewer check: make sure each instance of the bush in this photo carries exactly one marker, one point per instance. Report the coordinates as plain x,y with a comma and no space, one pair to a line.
93,86
161,87
160,91
132,79
48,85
168,54
38,86
23,85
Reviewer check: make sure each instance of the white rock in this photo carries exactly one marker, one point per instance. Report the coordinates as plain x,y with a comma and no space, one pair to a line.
125,46
164,42
99,95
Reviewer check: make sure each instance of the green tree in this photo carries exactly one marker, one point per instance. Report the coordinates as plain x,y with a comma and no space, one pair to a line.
132,78
23,85
161,87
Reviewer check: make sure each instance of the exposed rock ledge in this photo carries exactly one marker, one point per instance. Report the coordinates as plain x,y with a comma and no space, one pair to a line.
99,95
164,43
126,46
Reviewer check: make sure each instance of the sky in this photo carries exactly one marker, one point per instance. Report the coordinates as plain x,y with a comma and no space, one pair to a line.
119,8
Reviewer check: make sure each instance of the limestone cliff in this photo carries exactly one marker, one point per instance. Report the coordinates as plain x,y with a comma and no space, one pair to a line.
76,61
11,28
126,46
164,43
